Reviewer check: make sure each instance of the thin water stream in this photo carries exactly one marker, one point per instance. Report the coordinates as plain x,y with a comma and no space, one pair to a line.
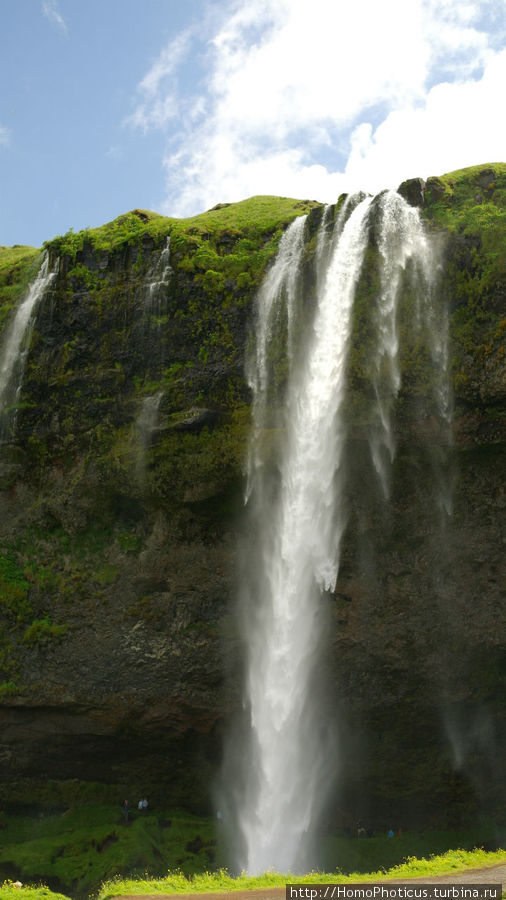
16,340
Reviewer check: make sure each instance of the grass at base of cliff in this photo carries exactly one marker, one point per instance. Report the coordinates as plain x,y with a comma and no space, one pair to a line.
76,850
10,891
208,882
176,882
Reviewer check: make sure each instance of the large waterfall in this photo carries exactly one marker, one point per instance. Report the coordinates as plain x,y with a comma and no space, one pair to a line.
16,340
297,500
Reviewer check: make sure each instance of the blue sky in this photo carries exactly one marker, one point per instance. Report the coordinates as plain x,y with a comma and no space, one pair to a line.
175,105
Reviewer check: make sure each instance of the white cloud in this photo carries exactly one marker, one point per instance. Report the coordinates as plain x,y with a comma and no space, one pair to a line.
50,11
158,103
115,152
5,136
309,99
459,125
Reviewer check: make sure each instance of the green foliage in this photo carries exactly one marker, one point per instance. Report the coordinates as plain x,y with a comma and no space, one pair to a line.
43,630
10,891
14,590
18,266
85,844
46,795
190,466
221,227
82,277
126,228
8,689
231,240
107,574
470,205
177,852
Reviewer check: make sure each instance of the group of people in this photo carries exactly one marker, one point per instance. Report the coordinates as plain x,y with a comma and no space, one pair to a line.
362,831
142,806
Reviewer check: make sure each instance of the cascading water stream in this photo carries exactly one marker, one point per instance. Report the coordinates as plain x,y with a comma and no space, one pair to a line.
159,277
280,284
146,424
299,533
401,239
16,341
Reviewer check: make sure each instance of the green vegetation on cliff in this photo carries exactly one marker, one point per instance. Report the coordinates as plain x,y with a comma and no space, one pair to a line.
17,269
470,204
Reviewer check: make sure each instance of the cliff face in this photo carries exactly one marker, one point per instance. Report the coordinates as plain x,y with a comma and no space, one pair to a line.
120,506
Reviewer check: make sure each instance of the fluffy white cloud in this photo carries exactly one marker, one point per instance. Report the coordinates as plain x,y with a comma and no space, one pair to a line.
51,12
5,135
310,99
158,102
458,125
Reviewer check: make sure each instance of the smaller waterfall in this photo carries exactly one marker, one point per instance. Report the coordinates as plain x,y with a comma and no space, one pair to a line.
159,277
280,283
437,328
323,245
401,239
16,340
146,423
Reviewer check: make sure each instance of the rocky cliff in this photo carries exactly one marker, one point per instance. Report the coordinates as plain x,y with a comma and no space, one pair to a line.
121,493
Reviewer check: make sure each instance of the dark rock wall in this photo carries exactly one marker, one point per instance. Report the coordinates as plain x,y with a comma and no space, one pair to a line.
119,653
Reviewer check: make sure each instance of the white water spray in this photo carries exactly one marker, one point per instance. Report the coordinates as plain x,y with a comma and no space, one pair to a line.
402,238
146,423
299,534
280,284
16,341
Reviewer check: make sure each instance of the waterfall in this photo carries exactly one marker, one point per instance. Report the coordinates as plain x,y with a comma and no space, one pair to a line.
296,496
16,340
401,239
159,277
280,285
298,532
145,424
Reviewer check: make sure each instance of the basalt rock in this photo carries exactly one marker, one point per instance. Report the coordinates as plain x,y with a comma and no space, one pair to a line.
413,190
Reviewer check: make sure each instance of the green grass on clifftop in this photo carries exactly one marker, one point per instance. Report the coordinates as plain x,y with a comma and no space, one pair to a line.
259,214
472,202
470,205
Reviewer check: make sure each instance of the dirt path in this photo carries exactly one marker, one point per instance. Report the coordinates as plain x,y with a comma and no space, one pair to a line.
486,875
